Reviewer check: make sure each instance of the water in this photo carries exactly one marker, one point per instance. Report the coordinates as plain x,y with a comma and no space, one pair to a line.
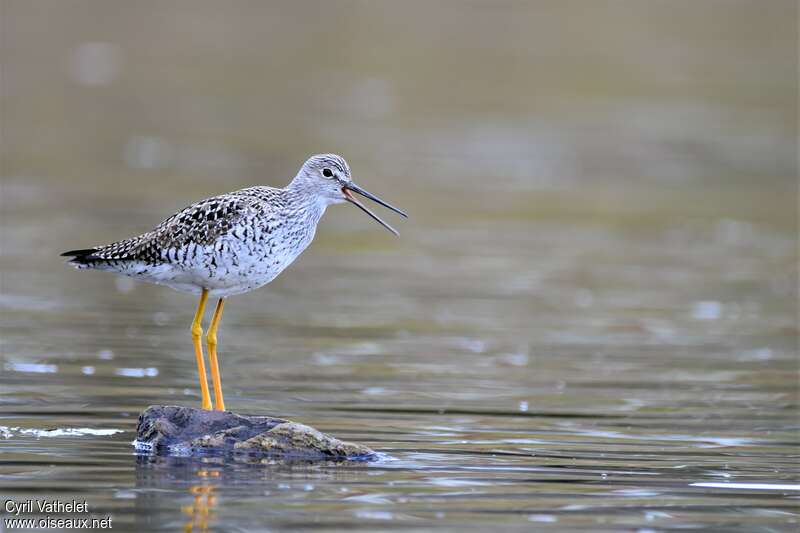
578,373
588,322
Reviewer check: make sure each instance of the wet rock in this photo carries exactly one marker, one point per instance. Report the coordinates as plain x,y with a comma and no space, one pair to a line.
170,429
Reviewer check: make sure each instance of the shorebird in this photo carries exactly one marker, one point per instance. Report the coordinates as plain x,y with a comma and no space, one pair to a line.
231,244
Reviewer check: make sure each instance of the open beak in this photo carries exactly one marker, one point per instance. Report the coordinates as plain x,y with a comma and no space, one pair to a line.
349,187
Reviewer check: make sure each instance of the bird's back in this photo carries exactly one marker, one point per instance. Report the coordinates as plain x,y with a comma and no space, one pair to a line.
234,242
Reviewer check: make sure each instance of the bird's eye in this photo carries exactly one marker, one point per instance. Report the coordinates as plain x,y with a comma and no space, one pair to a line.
327,173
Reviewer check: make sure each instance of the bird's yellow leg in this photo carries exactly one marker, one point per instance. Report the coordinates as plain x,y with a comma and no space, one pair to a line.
211,338
197,335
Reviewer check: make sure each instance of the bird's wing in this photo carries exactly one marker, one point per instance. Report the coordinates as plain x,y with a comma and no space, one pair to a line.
201,223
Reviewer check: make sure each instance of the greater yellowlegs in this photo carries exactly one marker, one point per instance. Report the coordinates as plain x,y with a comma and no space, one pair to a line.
232,244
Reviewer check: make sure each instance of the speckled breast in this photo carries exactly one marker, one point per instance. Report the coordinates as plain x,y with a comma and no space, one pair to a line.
252,253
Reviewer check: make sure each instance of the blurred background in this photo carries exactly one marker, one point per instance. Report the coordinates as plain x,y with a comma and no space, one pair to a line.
601,252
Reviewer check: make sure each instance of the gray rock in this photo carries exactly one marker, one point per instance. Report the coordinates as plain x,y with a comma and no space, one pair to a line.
173,429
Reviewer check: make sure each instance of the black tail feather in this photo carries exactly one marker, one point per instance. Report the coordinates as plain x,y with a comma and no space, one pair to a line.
83,258
82,254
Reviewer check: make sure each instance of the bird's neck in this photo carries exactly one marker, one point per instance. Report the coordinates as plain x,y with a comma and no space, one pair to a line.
304,202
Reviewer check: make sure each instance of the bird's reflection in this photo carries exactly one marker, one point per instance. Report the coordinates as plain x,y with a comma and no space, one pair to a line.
200,511
197,480
188,492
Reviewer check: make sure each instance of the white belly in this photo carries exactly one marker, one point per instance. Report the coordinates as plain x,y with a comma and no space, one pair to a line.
225,269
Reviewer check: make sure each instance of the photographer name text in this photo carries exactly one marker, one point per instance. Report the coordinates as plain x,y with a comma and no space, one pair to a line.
45,506
20,511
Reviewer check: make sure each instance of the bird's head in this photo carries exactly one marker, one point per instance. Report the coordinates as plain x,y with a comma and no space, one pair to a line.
328,177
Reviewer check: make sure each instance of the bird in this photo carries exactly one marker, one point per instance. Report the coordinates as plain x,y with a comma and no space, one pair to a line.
232,244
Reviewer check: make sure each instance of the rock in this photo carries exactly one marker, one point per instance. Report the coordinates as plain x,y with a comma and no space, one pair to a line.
170,429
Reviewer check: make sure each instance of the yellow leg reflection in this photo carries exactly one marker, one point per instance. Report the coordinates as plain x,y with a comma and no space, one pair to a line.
201,510
211,338
197,335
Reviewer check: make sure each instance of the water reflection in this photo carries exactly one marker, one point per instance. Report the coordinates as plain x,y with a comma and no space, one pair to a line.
200,511
202,482
209,484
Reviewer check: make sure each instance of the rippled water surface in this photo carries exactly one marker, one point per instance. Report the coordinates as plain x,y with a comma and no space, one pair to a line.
581,373
588,322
